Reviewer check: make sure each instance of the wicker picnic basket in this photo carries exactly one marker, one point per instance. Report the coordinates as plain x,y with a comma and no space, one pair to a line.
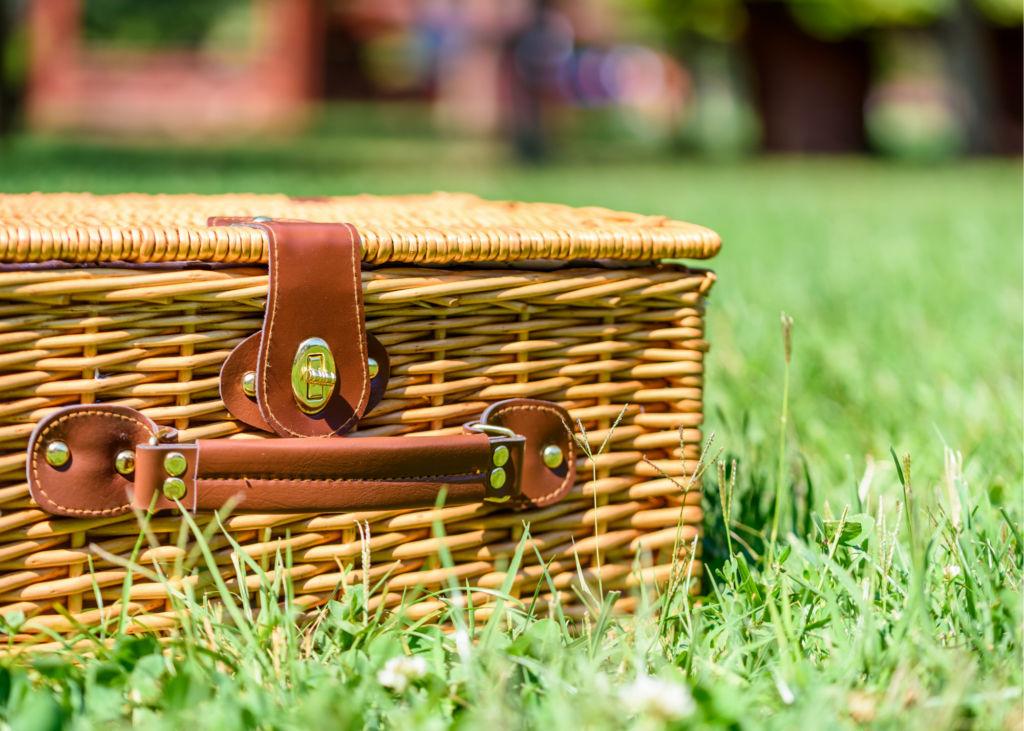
135,302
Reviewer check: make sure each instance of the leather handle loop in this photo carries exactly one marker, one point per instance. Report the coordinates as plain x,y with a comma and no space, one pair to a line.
335,475
93,477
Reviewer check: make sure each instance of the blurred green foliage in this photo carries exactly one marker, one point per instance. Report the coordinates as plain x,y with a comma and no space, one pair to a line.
165,23
725,20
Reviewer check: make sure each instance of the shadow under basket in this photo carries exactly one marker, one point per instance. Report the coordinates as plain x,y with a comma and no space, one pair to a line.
135,301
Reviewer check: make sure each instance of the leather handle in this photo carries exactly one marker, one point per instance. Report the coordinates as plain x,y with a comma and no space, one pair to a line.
303,475
77,465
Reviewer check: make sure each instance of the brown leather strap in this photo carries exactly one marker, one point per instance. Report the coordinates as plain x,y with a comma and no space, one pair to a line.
289,475
240,362
296,475
315,291
87,485
544,425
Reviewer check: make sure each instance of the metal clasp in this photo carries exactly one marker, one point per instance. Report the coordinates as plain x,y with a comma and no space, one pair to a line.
490,429
313,375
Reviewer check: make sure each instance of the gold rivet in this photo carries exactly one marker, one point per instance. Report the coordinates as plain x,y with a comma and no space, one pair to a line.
249,383
552,455
57,454
174,488
497,478
373,367
124,462
500,456
263,219
175,464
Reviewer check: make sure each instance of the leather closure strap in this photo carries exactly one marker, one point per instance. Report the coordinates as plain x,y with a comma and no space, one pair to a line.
315,296
97,460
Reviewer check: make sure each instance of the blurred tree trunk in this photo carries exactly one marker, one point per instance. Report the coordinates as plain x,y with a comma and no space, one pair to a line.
6,96
528,64
971,66
1007,44
12,82
810,92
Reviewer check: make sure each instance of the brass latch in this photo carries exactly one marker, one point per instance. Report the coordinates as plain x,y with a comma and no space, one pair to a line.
313,375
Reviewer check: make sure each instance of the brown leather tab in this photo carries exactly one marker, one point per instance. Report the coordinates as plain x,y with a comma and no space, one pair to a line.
543,424
315,292
243,359
239,404
379,383
335,475
87,485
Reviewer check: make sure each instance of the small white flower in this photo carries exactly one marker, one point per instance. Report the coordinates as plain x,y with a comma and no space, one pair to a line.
657,697
950,572
398,671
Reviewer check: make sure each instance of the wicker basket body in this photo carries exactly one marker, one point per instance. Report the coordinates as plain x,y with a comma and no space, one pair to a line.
466,320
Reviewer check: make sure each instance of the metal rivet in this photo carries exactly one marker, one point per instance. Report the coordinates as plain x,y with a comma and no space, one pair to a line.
373,367
552,455
174,488
175,464
249,383
262,219
124,462
497,478
57,454
500,456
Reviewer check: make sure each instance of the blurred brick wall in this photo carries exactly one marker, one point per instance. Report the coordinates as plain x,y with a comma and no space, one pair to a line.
73,86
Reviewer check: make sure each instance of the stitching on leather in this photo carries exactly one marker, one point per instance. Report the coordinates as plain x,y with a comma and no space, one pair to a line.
331,479
267,329
35,455
234,387
195,478
357,282
357,289
572,450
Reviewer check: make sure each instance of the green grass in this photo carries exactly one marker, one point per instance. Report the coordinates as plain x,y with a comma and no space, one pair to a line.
906,286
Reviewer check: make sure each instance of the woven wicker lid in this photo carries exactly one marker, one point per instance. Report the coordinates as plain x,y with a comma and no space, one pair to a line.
436,228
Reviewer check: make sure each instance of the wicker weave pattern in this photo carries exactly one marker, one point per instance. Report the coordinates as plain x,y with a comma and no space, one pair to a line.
592,339
423,229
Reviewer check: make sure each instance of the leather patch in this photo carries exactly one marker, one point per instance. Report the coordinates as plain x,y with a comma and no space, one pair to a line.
87,485
543,424
243,359
379,383
239,404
